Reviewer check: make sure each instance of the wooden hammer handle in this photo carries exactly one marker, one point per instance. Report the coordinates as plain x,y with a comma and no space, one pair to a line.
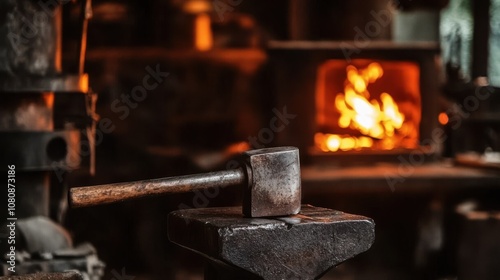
109,193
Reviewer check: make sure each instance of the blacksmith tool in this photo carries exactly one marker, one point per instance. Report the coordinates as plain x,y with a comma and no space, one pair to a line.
277,240
270,179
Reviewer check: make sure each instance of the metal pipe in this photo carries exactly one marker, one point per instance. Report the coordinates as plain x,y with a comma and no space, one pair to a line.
86,14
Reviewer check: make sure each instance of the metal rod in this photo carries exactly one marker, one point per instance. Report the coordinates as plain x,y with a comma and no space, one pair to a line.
86,14
109,193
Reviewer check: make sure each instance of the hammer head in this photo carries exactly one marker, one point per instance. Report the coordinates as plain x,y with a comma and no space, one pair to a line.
274,186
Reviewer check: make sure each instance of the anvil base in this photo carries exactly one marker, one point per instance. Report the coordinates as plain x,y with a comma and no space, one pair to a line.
302,246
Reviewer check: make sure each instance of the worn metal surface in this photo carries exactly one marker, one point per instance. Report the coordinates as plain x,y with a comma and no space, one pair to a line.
41,150
270,180
274,187
70,275
34,111
82,259
59,83
30,38
302,246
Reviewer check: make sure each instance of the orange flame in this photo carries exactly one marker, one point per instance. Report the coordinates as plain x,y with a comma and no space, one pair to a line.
335,142
375,119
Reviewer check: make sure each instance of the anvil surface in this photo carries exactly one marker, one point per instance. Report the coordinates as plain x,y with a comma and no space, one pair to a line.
302,246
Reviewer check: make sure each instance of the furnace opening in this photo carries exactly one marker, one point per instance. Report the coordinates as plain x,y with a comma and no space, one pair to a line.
367,105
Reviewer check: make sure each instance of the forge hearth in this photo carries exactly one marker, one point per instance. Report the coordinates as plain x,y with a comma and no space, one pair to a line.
380,100
367,105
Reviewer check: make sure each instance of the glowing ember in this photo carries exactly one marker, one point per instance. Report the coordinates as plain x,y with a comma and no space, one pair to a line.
380,121
443,118
335,142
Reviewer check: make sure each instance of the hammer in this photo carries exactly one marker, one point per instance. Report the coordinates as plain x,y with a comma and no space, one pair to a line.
270,179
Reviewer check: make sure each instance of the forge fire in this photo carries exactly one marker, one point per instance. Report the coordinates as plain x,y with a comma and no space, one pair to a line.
367,105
